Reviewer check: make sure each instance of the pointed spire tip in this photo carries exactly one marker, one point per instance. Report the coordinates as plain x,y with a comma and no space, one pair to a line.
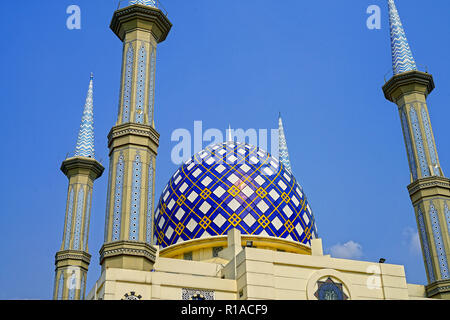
402,57
85,142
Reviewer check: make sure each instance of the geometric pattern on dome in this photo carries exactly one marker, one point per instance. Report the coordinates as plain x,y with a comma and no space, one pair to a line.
402,58
85,142
232,185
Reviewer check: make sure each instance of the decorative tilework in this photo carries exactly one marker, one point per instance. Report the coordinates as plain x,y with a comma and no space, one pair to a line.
402,58
132,296
409,148
60,286
438,242
72,286
195,294
86,220
55,285
78,219
68,231
83,287
135,198
330,290
430,141
127,84
419,142
151,89
149,202
234,197
140,88
425,245
447,217
283,149
118,199
85,142
151,3
108,199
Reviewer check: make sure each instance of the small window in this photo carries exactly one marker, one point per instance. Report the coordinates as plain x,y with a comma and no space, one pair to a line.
188,256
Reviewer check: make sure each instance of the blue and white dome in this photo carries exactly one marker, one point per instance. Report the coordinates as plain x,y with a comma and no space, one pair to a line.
233,185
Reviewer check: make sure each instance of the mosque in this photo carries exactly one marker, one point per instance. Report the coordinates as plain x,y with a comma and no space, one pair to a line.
232,223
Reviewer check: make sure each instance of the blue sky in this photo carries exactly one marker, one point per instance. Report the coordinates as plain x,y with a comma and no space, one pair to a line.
224,62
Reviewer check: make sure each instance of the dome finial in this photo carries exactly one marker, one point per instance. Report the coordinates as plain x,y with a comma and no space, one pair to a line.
230,136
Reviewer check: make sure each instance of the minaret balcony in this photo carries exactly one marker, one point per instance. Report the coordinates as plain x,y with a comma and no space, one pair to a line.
408,82
130,16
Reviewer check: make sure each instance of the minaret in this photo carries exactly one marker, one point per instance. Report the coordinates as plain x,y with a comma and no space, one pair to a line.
429,189
72,261
133,141
282,146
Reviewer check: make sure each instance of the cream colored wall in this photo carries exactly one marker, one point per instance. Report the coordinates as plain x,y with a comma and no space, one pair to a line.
417,292
260,274
277,275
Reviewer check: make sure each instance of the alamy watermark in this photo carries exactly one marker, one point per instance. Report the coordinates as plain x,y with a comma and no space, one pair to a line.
73,22
189,142
374,281
374,20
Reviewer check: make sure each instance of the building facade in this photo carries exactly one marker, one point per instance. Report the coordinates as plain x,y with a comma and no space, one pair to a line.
233,223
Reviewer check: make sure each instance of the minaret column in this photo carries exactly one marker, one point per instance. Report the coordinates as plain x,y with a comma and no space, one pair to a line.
72,260
133,142
409,91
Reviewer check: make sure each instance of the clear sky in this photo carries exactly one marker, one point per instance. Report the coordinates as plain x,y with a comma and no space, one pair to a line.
224,62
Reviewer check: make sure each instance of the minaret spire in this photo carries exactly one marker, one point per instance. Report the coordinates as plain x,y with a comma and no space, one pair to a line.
85,142
282,146
402,58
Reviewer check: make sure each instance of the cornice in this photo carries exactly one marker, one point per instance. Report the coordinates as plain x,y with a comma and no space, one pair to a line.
407,78
82,163
430,182
73,255
133,129
128,248
437,287
150,14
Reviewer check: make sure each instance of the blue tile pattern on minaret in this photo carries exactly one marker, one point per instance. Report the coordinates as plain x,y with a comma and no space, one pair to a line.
151,3
402,58
85,143
233,185
282,147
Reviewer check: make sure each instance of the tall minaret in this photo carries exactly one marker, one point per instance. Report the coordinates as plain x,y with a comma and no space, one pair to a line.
133,141
72,261
429,189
